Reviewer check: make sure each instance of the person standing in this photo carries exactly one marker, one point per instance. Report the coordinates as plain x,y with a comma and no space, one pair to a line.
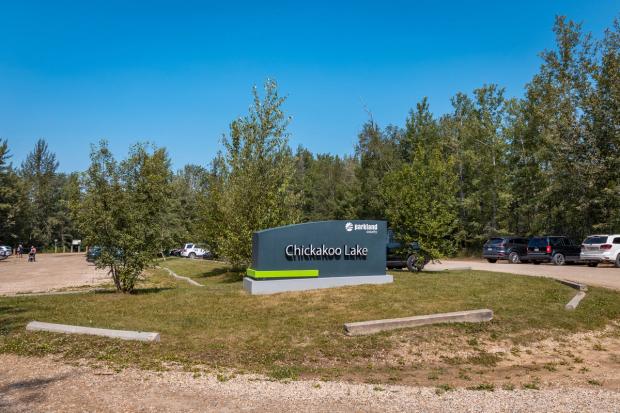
20,250
33,254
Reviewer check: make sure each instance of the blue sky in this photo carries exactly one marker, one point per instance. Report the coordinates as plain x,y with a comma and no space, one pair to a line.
176,73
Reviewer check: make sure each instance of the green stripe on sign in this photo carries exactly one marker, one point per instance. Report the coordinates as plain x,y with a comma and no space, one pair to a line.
282,273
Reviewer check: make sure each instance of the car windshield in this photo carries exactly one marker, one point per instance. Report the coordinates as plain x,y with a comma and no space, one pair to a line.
597,239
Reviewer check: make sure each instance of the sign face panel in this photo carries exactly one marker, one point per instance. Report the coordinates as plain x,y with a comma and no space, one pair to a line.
320,250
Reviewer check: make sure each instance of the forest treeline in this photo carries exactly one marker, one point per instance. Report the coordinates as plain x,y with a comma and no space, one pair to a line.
548,162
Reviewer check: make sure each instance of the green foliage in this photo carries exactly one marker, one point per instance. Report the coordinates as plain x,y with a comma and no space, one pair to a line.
256,179
420,202
124,210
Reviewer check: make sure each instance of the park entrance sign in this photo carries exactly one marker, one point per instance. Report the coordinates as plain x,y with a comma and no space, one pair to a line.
315,255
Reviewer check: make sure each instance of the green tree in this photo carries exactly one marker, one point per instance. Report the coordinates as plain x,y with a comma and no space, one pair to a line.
42,186
377,154
327,185
258,180
420,201
10,192
122,210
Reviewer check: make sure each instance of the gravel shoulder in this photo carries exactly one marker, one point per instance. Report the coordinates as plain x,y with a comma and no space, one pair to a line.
601,276
50,272
42,384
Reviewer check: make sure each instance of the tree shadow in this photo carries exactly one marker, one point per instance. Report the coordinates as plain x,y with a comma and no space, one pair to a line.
33,389
11,318
137,291
214,272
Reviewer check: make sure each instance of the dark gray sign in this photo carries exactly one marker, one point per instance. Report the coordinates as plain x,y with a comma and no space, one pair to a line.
319,249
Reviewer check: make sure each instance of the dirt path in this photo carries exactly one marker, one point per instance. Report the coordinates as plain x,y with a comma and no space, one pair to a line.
41,384
602,276
50,272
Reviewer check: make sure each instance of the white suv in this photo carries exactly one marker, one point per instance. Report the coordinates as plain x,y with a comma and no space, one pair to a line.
601,248
193,251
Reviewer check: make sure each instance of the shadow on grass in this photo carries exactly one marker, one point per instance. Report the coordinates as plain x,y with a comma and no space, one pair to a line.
11,319
214,272
137,291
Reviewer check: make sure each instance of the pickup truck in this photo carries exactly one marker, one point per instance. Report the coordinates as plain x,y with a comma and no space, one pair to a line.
191,250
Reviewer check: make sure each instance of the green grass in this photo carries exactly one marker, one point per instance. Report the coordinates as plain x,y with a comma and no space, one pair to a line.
295,334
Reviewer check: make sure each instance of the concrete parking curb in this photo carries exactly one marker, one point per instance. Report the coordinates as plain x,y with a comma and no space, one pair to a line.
180,277
376,326
574,302
575,285
449,269
68,329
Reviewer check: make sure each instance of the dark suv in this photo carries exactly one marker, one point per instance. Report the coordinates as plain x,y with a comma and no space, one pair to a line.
513,249
401,255
556,249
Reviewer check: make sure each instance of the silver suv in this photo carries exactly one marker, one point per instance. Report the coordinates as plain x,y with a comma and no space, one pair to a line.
601,248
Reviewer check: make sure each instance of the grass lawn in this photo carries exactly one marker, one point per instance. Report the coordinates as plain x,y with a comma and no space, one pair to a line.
301,334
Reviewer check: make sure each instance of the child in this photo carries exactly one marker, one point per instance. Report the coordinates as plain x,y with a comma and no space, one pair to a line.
32,256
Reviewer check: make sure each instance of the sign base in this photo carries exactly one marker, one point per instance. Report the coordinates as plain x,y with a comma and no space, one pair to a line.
256,287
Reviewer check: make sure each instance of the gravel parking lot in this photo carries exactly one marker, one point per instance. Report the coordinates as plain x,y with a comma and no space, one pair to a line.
49,272
41,384
602,276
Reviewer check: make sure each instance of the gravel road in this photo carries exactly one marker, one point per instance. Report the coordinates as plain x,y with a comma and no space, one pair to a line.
41,384
602,276
49,272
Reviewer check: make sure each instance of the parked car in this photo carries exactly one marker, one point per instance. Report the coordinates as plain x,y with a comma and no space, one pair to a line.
175,252
513,249
601,248
6,250
193,250
556,249
93,253
401,255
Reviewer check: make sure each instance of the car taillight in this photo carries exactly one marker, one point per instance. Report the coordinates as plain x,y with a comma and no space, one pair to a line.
548,249
606,246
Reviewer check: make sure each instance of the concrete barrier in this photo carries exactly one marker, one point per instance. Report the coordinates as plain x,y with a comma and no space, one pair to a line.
572,304
376,326
447,269
67,329
575,285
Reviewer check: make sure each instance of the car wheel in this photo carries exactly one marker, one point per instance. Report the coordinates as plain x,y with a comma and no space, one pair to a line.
592,264
514,258
192,255
412,263
536,262
492,260
618,261
559,259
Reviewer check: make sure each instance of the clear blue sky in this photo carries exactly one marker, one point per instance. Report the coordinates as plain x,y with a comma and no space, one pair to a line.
176,73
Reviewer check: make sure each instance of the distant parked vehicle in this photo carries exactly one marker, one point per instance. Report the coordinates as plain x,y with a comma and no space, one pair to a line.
208,255
175,252
556,249
6,250
601,248
513,249
193,250
401,255
93,253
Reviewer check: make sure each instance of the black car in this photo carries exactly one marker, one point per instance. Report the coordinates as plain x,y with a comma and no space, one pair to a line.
93,253
556,249
513,249
401,255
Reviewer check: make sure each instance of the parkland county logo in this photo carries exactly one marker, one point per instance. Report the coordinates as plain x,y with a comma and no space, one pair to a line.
369,228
